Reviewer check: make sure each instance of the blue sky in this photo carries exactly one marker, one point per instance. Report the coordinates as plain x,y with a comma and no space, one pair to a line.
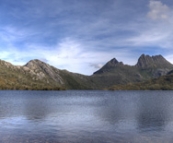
82,35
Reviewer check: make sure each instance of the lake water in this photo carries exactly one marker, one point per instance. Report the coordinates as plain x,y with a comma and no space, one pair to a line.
86,116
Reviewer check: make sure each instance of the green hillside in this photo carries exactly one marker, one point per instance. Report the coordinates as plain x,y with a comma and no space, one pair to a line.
161,83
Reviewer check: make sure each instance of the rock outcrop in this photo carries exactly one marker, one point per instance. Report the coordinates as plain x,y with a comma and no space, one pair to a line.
43,71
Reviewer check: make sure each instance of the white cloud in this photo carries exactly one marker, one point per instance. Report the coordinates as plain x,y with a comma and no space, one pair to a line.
157,33
11,34
151,37
169,57
70,54
97,66
158,10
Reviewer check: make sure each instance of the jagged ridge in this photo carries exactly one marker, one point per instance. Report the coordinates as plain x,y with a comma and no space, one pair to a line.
158,61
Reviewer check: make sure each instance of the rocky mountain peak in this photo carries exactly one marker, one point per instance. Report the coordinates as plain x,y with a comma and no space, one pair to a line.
34,64
158,61
43,70
109,66
113,61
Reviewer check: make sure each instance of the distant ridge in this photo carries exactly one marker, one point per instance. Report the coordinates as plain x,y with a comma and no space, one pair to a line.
157,62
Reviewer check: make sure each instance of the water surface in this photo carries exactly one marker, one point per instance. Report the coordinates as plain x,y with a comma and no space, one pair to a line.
86,116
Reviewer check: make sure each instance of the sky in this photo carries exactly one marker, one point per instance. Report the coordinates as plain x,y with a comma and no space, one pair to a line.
82,35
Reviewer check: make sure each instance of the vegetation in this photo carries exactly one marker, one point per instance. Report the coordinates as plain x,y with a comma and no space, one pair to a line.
161,83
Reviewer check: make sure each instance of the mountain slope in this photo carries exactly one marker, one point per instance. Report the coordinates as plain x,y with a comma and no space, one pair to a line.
162,83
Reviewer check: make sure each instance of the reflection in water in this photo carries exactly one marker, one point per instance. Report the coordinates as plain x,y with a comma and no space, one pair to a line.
119,111
109,111
36,108
152,112
86,116
9,105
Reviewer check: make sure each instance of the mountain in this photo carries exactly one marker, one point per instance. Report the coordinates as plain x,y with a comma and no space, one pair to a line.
25,77
37,75
147,67
157,64
115,72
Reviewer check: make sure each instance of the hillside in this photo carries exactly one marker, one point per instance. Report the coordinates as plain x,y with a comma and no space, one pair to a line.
37,75
161,83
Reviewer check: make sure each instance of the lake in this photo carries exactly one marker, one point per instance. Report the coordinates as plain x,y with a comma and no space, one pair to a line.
86,116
